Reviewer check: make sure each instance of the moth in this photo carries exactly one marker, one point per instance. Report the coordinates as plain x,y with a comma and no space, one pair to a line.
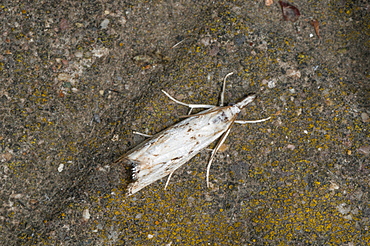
165,152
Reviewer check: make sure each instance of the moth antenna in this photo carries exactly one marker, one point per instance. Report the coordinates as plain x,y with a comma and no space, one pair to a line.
223,89
142,134
186,104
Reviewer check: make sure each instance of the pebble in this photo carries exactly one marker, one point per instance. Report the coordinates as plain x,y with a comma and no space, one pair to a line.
293,73
79,54
16,196
290,146
86,214
104,24
269,2
365,117
6,157
61,167
365,149
343,208
271,84
64,77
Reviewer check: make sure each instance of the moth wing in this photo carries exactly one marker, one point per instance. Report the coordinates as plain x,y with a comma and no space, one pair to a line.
173,147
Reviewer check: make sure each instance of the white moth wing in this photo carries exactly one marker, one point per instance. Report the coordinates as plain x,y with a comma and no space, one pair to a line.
173,147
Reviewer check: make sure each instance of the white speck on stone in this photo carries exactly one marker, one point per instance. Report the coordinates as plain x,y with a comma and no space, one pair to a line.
348,217
333,186
299,112
86,214
365,149
122,20
290,146
16,196
100,52
61,167
150,236
104,24
365,117
305,131
269,2
343,208
271,84
64,77
79,54
311,35
293,73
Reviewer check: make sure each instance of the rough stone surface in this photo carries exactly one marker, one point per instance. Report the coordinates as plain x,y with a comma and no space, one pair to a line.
78,77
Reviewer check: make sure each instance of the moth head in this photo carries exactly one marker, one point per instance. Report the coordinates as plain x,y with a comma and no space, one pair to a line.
243,103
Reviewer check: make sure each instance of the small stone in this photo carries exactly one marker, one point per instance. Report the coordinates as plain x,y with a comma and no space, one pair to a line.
348,217
104,24
86,214
239,39
115,138
67,85
214,50
293,73
343,208
65,62
269,2
290,146
271,84
61,167
365,149
100,52
122,20
64,24
79,54
365,117
6,156
64,77
206,41
33,202
333,186
16,196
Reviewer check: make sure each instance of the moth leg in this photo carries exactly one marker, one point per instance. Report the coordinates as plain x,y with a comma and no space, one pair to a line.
186,104
251,121
214,151
143,134
168,179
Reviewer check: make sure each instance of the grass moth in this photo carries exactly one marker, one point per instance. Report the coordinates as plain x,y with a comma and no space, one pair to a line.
169,149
